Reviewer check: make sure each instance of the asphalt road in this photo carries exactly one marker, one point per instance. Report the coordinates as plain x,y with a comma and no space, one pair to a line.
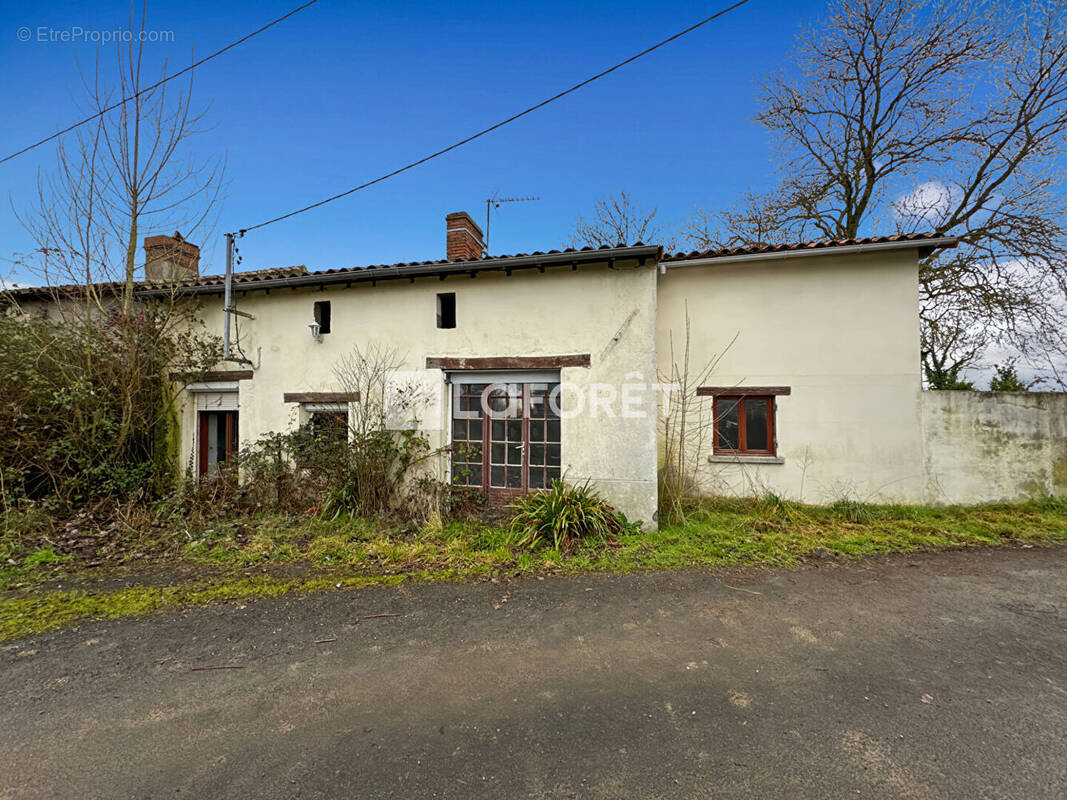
927,676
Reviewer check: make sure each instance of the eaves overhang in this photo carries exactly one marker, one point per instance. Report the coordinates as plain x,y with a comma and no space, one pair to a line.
642,254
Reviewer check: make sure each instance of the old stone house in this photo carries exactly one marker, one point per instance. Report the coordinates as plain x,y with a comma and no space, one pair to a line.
814,391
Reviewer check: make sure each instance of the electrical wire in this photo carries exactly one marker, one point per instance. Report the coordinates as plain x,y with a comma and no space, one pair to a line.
501,124
157,84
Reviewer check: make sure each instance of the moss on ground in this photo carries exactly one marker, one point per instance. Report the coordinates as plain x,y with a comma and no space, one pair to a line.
355,553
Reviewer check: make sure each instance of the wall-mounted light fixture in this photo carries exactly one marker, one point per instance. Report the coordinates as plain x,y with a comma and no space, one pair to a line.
316,332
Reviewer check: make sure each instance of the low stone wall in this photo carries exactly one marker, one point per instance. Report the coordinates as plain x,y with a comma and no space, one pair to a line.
994,446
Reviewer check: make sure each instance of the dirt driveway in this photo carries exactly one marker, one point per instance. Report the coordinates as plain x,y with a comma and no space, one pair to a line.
938,676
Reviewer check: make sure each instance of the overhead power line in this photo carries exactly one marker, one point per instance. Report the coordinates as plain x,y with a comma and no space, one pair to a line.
157,84
500,124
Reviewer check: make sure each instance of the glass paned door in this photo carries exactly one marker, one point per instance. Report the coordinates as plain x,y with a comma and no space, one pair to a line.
468,435
542,435
506,440
505,437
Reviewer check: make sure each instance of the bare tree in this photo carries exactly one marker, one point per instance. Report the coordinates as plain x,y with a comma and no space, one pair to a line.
688,426
127,173
754,220
913,115
389,463
620,220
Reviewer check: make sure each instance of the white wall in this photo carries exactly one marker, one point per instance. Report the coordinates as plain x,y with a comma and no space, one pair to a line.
842,332
994,446
528,314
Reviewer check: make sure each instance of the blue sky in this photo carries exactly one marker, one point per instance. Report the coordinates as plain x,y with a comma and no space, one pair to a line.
343,92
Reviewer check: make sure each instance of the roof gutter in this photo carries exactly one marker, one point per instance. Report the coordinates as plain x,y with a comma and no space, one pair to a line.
924,244
642,254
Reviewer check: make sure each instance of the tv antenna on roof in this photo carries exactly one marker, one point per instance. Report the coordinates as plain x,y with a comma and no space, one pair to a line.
494,202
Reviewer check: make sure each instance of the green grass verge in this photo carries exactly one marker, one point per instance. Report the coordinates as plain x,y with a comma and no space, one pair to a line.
357,553
43,611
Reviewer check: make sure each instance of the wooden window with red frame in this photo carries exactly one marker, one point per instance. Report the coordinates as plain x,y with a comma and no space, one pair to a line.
744,425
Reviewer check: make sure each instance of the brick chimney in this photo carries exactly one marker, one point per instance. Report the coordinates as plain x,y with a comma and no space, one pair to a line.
170,258
463,237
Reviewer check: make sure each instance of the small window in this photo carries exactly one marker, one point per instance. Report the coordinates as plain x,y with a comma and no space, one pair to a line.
446,310
331,425
322,315
744,424
326,435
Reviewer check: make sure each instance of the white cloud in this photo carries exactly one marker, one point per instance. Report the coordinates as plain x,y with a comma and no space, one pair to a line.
1031,277
1035,278
1042,374
5,284
928,203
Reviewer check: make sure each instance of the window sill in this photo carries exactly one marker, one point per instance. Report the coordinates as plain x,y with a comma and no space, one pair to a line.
741,458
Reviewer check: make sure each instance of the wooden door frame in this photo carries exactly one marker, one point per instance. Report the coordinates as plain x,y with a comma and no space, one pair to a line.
505,493
497,495
202,445
230,433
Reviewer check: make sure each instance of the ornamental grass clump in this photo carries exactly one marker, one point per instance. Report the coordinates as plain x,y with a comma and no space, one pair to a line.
562,518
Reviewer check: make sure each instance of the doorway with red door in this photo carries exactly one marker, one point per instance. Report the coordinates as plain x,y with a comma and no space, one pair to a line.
217,440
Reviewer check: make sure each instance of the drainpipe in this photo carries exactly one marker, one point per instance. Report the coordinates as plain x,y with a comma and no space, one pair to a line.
227,297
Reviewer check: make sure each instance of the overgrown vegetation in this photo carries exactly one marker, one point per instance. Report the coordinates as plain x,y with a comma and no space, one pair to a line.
687,424
70,437
563,517
372,460
85,398
258,555
86,468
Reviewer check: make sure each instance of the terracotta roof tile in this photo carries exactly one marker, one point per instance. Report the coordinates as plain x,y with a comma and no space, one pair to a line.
249,277
254,276
214,280
813,245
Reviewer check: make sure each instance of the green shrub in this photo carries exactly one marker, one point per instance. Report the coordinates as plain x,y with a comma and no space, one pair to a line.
375,465
1007,379
563,517
87,405
372,473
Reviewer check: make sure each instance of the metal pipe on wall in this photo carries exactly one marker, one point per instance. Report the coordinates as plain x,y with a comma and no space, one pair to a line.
227,298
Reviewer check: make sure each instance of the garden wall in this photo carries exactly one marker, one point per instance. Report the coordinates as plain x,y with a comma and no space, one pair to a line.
994,446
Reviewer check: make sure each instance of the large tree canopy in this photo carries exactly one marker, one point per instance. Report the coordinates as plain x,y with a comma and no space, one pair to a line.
908,115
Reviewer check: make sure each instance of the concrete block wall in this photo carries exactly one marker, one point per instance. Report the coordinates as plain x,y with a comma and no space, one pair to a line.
994,446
